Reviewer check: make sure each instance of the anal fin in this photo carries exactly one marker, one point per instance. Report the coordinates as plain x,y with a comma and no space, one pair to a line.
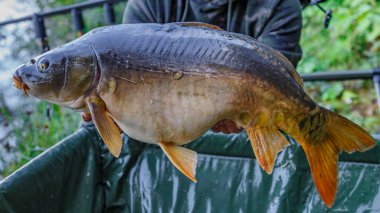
108,130
185,160
266,142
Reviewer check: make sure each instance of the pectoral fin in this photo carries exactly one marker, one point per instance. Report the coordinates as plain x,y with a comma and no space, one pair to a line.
266,142
108,130
185,160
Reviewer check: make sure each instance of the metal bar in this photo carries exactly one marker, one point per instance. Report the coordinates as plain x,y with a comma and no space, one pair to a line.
81,6
321,8
12,21
40,30
373,74
109,14
339,75
76,14
376,83
63,10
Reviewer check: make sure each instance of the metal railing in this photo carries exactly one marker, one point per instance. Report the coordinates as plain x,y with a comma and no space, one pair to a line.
109,17
76,14
67,9
345,75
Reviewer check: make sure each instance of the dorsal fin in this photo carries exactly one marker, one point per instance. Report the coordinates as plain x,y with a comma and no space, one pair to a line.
197,24
292,72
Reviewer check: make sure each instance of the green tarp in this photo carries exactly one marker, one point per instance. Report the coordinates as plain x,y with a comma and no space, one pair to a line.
80,175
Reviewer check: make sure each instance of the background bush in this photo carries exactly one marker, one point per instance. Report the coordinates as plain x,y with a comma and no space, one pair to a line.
352,42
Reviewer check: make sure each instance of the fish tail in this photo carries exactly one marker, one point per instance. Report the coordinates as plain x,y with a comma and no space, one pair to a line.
323,136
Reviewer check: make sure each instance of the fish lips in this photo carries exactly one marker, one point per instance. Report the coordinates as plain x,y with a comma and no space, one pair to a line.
27,76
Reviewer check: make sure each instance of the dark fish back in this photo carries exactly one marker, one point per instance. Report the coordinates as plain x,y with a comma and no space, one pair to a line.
170,47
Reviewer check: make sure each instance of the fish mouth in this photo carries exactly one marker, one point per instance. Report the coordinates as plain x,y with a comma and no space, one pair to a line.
19,84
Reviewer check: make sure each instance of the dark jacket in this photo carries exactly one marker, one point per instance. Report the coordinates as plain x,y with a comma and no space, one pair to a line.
276,23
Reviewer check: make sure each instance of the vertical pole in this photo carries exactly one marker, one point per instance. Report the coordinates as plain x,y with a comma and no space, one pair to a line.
76,14
40,30
109,14
376,82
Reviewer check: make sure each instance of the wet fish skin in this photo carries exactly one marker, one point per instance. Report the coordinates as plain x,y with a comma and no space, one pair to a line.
152,59
168,84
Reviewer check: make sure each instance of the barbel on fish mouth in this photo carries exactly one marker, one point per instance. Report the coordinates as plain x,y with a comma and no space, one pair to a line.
168,84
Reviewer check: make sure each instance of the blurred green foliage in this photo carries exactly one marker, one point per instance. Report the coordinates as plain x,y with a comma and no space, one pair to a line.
35,131
351,42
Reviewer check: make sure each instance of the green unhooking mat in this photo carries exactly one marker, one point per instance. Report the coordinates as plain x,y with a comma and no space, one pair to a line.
80,175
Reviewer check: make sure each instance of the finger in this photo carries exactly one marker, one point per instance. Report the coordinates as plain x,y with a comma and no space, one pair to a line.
216,128
238,130
233,128
86,117
228,126
224,128
221,127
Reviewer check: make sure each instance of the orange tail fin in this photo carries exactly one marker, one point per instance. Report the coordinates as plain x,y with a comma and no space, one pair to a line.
322,145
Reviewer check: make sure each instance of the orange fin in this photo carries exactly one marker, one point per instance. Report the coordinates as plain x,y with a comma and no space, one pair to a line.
197,24
322,148
108,130
323,161
266,142
185,160
350,136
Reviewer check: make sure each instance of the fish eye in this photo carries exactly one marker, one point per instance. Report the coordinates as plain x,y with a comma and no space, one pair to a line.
43,65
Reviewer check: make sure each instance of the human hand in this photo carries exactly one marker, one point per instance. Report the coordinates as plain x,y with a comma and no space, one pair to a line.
87,118
226,126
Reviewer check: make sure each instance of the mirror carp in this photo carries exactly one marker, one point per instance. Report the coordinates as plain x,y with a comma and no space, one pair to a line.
167,84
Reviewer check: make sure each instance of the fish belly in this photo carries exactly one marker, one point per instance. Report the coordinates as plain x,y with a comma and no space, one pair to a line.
155,108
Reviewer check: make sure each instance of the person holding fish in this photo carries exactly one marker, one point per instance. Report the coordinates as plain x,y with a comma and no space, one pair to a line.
167,84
